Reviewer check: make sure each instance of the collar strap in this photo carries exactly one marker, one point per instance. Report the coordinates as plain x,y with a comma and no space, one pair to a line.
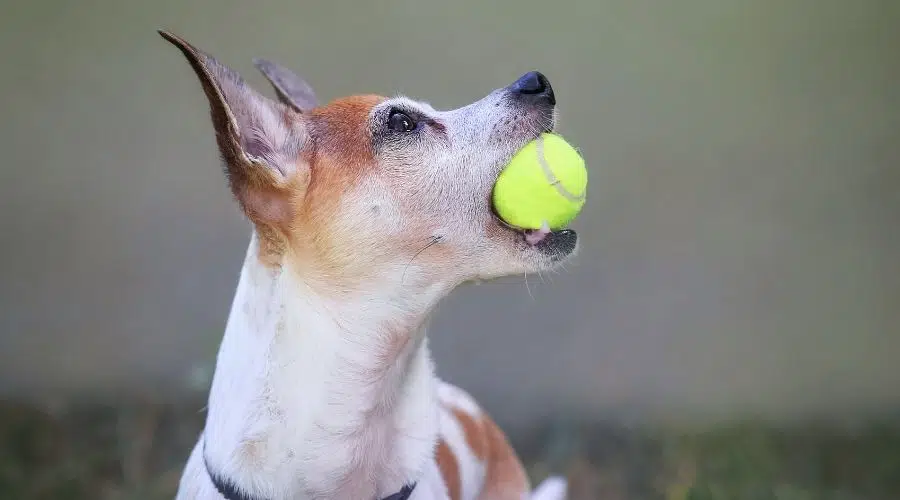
228,489
403,494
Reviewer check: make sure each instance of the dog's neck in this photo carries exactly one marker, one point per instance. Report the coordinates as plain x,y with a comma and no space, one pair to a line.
321,397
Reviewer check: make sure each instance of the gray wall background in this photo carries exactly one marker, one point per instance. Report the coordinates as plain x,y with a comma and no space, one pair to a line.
740,244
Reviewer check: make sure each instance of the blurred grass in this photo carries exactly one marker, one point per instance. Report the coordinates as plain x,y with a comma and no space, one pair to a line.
135,452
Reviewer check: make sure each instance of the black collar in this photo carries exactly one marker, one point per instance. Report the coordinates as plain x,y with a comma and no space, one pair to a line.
228,489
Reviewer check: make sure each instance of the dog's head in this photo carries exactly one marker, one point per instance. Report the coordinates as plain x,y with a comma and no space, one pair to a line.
374,188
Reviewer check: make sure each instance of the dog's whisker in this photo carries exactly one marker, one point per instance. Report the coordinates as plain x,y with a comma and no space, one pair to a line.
527,287
433,240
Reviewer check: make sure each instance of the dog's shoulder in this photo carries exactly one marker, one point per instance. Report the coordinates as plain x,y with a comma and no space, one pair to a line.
474,455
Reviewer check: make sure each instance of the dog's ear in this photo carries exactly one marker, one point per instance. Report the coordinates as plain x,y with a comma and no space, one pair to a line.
290,88
260,140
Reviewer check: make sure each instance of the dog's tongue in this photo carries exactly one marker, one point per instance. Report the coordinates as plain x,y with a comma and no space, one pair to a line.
535,236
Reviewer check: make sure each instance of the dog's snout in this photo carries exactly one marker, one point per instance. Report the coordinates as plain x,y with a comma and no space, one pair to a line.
534,86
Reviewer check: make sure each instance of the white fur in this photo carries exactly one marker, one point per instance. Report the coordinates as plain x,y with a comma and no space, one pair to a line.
455,397
552,488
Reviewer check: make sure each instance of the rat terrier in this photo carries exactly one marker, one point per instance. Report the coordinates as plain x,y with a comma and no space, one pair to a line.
365,213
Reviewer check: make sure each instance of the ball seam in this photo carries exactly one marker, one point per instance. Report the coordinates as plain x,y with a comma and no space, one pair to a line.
548,173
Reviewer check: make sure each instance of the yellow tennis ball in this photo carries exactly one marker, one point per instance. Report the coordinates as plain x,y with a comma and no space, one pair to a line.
545,182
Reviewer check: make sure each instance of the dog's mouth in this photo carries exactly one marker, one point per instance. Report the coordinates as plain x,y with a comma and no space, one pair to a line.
554,243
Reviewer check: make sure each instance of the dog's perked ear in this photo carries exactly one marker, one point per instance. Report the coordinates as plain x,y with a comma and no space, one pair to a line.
290,88
260,140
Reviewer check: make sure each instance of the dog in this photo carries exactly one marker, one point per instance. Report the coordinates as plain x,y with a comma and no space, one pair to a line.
366,212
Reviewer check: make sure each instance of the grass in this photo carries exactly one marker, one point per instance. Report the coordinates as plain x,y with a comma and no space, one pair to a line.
135,452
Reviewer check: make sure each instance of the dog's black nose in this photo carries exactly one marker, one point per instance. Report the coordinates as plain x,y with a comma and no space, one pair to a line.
534,86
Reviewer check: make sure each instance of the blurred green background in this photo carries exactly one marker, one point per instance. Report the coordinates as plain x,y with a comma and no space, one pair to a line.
729,330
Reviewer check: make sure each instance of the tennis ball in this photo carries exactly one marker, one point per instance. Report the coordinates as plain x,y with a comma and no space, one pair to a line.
542,186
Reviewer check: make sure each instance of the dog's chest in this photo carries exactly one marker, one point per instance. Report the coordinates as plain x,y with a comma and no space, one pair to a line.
379,448
357,465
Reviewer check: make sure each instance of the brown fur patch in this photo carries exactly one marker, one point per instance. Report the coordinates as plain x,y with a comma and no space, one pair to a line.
446,461
274,232
339,154
341,131
474,432
505,478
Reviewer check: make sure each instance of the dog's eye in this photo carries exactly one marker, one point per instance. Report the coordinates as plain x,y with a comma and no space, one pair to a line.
399,121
